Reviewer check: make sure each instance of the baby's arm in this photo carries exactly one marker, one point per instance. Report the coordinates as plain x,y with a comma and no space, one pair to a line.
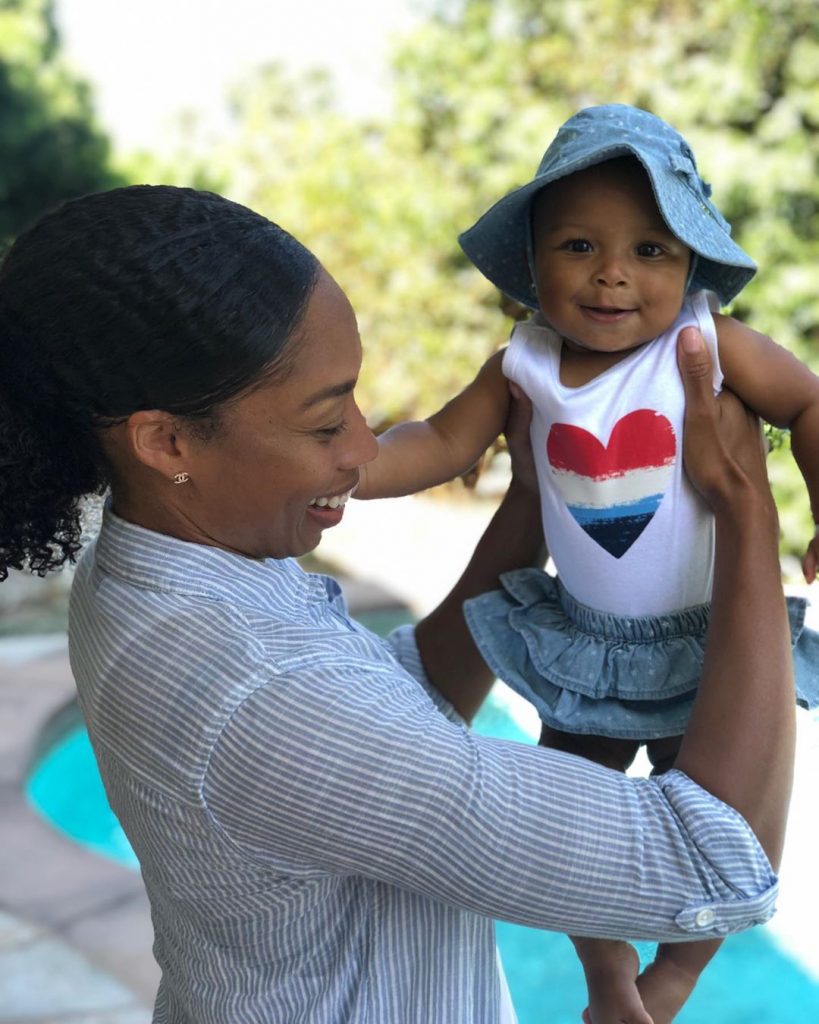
783,391
414,456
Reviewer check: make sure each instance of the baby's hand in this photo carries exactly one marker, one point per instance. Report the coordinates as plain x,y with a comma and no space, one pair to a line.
810,560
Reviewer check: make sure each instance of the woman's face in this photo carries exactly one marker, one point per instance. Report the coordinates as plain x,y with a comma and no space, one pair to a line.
286,446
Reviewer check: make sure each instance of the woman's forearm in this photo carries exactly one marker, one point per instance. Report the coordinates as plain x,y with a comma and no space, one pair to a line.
512,540
739,743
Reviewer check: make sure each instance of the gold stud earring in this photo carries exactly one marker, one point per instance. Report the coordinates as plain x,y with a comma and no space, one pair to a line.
181,478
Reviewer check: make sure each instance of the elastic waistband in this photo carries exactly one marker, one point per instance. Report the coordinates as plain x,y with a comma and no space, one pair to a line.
636,628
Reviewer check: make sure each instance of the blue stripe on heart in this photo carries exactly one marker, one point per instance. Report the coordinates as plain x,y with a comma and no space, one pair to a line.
585,514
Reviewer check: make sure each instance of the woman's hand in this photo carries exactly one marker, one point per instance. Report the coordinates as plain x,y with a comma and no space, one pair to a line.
512,540
518,439
723,449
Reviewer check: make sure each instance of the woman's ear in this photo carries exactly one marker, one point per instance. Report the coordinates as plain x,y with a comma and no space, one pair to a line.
154,439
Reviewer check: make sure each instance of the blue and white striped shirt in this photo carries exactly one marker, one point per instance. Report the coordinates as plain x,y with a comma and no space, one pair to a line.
321,839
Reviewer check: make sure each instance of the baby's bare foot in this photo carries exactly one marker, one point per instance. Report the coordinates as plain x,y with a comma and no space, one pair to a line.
664,987
611,977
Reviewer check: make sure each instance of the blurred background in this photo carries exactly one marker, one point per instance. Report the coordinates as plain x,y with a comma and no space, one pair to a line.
375,132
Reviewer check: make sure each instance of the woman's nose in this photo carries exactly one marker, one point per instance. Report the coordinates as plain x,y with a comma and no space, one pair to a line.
362,445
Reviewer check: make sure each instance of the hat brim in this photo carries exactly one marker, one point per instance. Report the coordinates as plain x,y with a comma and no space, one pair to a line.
498,241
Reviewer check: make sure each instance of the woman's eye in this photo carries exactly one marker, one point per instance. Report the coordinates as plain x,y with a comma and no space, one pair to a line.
325,433
578,245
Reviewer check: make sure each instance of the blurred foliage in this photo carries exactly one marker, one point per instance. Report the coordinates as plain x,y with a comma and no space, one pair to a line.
480,88
190,163
50,147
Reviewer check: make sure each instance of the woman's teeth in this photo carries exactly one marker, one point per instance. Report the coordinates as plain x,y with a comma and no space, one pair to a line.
337,501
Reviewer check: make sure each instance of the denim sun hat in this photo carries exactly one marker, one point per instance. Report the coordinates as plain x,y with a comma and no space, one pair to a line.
500,243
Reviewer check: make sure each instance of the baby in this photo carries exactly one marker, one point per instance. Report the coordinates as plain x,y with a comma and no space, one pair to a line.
617,247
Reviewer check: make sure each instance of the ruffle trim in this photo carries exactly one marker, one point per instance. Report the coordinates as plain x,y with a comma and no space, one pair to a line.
565,657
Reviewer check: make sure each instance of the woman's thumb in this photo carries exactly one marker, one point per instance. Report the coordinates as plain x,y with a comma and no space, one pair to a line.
694,361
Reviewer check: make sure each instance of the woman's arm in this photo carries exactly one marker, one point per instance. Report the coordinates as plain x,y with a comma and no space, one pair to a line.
416,455
513,539
783,391
739,743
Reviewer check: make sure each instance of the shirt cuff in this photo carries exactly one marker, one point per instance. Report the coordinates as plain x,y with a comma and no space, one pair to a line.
744,883
405,649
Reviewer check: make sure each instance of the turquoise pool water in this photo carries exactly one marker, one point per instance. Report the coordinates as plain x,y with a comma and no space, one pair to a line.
67,789
749,982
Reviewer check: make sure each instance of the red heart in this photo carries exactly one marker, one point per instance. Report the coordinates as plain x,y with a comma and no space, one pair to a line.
640,440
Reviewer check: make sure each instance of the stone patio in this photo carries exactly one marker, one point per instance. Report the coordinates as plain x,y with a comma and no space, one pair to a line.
75,930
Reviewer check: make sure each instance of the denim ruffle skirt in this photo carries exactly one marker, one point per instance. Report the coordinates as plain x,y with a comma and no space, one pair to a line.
591,672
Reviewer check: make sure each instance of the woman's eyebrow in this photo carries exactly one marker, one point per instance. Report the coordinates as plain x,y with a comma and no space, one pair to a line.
335,391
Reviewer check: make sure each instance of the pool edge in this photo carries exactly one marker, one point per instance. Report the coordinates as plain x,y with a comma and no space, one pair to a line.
96,906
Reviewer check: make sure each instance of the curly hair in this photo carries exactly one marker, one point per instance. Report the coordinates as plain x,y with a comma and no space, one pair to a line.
146,297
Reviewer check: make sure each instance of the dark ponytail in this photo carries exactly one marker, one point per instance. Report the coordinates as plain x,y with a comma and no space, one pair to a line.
139,298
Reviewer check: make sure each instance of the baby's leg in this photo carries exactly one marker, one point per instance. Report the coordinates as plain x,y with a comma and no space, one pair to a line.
605,750
610,966
662,753
667,983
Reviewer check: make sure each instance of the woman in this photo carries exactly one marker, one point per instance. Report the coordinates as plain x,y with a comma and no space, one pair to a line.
320,836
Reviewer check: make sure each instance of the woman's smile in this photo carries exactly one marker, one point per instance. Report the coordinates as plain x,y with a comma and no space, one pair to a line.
328,510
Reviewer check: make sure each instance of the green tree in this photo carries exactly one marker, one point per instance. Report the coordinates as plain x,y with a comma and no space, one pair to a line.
480,89
486,84
50,147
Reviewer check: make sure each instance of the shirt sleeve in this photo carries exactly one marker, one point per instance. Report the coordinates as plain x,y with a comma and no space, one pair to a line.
405,649
351,768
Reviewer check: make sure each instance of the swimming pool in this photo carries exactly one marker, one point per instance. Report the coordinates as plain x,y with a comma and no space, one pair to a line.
751,981
66,788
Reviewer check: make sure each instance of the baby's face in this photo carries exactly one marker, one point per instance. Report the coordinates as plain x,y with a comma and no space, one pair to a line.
610,274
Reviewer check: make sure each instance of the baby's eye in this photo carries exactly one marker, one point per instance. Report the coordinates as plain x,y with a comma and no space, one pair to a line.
650,250
578,245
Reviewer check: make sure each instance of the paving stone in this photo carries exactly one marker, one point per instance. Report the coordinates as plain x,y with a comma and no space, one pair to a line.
45,978
15,933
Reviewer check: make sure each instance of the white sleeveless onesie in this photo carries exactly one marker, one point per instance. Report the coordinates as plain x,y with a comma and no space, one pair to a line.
626,530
